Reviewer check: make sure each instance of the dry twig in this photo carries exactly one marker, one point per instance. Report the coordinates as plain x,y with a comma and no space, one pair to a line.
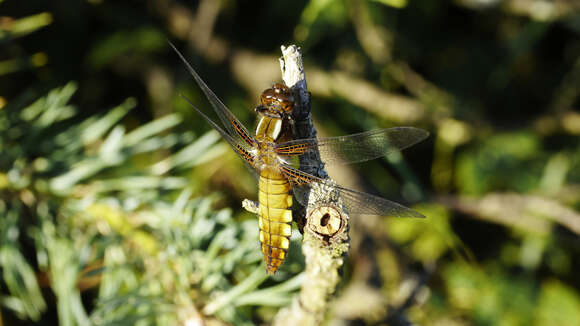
323,252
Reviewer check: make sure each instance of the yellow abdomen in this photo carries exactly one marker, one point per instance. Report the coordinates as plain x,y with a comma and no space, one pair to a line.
274,218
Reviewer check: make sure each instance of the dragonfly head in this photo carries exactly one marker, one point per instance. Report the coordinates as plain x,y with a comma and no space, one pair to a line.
276,102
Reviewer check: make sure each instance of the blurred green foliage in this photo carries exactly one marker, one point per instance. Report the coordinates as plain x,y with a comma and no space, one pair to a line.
98,221
511,161
112,191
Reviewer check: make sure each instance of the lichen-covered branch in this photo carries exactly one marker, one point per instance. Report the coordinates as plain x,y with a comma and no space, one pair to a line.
325,239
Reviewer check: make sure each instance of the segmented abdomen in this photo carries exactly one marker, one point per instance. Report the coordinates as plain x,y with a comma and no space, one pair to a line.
274,218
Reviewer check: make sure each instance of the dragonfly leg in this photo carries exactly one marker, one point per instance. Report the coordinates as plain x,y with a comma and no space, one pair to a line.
251,206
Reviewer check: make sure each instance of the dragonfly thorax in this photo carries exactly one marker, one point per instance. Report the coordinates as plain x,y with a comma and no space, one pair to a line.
268,129
265,155
267,133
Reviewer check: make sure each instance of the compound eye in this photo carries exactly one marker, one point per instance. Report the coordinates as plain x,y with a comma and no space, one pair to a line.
280,88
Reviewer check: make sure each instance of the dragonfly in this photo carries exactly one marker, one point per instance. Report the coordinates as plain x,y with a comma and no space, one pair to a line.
269,155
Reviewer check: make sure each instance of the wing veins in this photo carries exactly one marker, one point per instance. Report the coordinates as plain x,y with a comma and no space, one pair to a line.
356,202
231,123
356,147
238,147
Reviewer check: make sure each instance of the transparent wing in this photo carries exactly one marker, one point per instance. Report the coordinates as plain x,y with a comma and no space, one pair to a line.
240,148
231,123
356,202
356,147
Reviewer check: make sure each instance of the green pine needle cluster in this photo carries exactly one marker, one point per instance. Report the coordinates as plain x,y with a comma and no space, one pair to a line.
113,241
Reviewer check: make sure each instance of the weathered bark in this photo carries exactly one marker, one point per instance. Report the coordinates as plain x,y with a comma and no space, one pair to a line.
325,239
